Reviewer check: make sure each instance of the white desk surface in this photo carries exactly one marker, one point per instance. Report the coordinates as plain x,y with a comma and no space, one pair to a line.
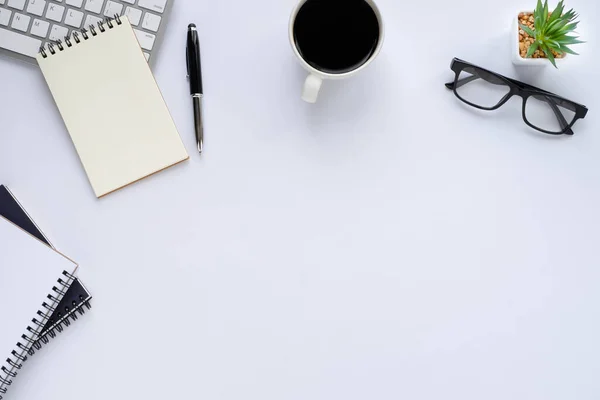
386,243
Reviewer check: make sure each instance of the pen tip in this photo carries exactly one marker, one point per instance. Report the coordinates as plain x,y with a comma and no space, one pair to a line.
191,25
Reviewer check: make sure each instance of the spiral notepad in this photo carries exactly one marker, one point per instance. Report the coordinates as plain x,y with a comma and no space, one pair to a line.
111,105
77,298
33,280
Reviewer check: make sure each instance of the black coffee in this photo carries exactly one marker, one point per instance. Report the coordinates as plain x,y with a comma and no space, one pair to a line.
336,36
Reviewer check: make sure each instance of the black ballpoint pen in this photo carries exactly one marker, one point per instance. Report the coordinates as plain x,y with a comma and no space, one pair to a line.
194,70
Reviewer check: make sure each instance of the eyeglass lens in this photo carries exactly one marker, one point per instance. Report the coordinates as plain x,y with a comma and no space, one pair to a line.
549,113
480,88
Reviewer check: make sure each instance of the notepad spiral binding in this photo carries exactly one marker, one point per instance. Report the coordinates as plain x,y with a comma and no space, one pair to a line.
110,23
60,325
19,355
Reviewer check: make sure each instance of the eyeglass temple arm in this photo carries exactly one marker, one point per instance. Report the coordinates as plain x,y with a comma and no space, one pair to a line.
461,82
561,119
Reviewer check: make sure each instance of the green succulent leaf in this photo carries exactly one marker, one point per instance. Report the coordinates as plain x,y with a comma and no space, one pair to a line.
570,15
569,40
527,30
554,45
566,49
555,27
557,12
532,49
538,7
549,55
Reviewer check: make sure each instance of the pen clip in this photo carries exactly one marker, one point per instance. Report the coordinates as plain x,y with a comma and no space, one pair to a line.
187,62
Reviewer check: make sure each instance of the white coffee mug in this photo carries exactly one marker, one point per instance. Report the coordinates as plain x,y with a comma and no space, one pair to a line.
313,82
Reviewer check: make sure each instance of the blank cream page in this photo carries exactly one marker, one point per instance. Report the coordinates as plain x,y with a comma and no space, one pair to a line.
112,108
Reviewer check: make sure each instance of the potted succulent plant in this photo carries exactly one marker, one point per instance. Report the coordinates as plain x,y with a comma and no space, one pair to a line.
542,36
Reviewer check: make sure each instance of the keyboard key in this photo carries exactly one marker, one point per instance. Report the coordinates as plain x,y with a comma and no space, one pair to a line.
112,8
58,33
154,5
2,2
36,7
55,12
146,39
91,20
134,15
21,22
18,4
94,6
5,16
124,1
40,28
75,3
147,56
18,43
74,18
151,22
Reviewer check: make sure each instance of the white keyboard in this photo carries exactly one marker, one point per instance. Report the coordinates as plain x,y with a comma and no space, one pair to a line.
27,25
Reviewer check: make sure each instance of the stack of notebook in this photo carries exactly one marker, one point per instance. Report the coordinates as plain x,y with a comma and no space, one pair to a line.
31,270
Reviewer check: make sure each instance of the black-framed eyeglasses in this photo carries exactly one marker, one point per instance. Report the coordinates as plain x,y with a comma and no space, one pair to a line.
487,90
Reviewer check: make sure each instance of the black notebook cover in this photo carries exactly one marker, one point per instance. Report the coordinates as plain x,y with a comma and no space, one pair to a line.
77,298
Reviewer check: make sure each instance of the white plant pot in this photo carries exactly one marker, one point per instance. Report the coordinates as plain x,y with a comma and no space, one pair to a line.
516,56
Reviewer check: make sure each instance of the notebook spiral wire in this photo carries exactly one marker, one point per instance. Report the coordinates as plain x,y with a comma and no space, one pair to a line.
23,348
59,327
77,37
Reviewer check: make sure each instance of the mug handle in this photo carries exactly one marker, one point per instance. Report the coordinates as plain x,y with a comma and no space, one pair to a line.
312,85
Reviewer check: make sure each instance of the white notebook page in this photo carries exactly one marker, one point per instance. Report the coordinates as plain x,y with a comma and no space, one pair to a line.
112,108
29,269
